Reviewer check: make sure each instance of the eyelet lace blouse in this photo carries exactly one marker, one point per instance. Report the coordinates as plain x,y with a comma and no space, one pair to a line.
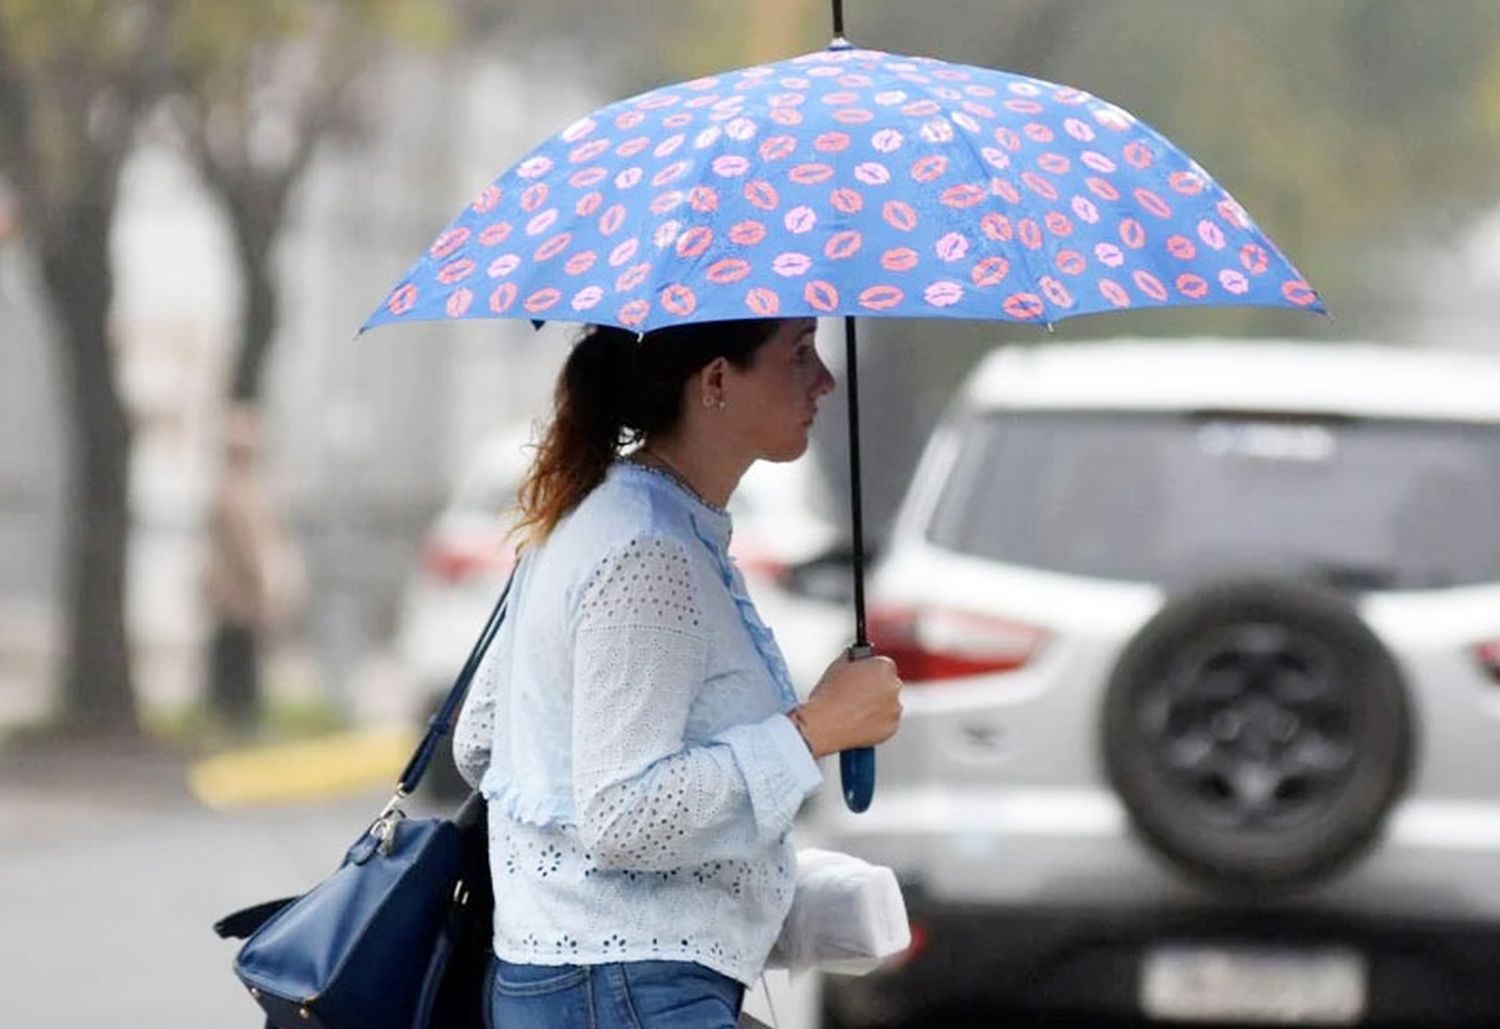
627,729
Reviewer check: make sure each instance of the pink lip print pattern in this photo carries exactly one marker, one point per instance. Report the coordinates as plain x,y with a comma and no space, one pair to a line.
847,182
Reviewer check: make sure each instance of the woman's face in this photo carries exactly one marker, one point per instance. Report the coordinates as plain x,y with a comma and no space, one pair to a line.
771,405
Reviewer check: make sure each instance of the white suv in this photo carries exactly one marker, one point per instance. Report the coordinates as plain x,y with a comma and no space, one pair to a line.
1203,645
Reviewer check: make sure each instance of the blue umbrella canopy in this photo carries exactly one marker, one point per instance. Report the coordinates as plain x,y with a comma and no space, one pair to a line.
848,182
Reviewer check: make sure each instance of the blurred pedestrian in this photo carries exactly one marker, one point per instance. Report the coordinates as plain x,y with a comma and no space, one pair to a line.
634,730
249,578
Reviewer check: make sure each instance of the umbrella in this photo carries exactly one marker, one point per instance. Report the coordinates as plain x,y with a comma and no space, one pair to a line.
848,182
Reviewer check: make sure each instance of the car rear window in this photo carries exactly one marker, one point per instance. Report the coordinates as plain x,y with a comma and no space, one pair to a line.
1169,497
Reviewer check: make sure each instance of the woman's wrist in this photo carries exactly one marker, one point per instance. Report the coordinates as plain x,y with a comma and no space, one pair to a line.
798,719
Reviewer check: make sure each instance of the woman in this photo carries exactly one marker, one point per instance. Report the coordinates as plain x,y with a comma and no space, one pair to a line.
634,732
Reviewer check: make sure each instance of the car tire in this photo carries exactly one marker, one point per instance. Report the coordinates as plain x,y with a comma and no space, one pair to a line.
1257,732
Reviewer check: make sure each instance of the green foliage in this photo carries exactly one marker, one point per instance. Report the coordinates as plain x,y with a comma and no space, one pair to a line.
73,72
1350,129
1488,93
74,76
44,30
214,39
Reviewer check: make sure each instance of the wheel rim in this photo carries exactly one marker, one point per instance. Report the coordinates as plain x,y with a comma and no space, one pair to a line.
1252,726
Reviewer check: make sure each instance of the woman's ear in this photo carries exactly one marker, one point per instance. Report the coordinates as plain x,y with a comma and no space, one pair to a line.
711,383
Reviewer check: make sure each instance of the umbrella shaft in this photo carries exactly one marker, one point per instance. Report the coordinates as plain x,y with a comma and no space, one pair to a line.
856,498
838,17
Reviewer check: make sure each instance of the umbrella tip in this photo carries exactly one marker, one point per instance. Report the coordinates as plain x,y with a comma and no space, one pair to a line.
840,43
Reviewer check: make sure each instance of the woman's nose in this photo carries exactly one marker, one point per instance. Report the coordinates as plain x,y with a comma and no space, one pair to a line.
826,382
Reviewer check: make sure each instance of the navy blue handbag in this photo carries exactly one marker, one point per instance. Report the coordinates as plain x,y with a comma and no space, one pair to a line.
399,936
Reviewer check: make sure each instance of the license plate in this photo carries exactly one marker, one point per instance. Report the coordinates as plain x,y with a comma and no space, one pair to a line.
1326,986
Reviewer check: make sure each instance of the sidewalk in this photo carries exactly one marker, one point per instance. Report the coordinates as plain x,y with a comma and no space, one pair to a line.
148,774
110,878
68,790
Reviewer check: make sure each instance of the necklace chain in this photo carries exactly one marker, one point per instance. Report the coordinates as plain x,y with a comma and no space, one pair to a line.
662,466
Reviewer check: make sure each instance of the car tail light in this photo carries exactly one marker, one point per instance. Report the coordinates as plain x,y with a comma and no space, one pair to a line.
454,558
756,565
1489,658
931,643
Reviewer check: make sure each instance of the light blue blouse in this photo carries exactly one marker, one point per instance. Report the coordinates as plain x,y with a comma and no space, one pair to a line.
628,731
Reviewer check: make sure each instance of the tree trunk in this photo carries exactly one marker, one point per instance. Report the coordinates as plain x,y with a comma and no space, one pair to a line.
257,322
234,687
97,686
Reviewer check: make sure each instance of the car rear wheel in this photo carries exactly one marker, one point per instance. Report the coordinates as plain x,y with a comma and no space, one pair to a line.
1257,733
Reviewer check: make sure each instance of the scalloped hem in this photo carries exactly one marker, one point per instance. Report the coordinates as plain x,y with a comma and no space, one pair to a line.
514,803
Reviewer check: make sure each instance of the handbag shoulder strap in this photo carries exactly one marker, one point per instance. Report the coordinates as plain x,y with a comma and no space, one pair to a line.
441,723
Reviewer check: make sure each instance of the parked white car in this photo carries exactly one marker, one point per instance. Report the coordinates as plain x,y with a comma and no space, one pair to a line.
1202,641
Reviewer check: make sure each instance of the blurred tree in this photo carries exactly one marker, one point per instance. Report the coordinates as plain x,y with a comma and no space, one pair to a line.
258,86
76,79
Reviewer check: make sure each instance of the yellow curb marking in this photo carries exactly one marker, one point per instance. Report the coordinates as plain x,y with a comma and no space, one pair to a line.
308,770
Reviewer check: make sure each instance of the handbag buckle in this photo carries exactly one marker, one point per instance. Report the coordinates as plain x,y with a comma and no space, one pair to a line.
383,829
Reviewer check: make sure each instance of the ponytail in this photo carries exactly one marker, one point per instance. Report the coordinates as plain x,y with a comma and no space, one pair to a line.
588,422
615,390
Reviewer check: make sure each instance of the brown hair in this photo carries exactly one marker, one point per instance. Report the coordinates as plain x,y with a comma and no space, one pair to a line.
616,390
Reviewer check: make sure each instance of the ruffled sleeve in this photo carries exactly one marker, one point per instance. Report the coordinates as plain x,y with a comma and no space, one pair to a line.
644,799
474,734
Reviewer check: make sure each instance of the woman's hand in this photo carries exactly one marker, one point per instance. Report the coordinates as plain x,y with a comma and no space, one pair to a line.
855,704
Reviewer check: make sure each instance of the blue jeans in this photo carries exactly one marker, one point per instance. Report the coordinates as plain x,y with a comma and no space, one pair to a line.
623,995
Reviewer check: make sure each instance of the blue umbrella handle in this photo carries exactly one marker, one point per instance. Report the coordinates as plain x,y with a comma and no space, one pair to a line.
857,766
